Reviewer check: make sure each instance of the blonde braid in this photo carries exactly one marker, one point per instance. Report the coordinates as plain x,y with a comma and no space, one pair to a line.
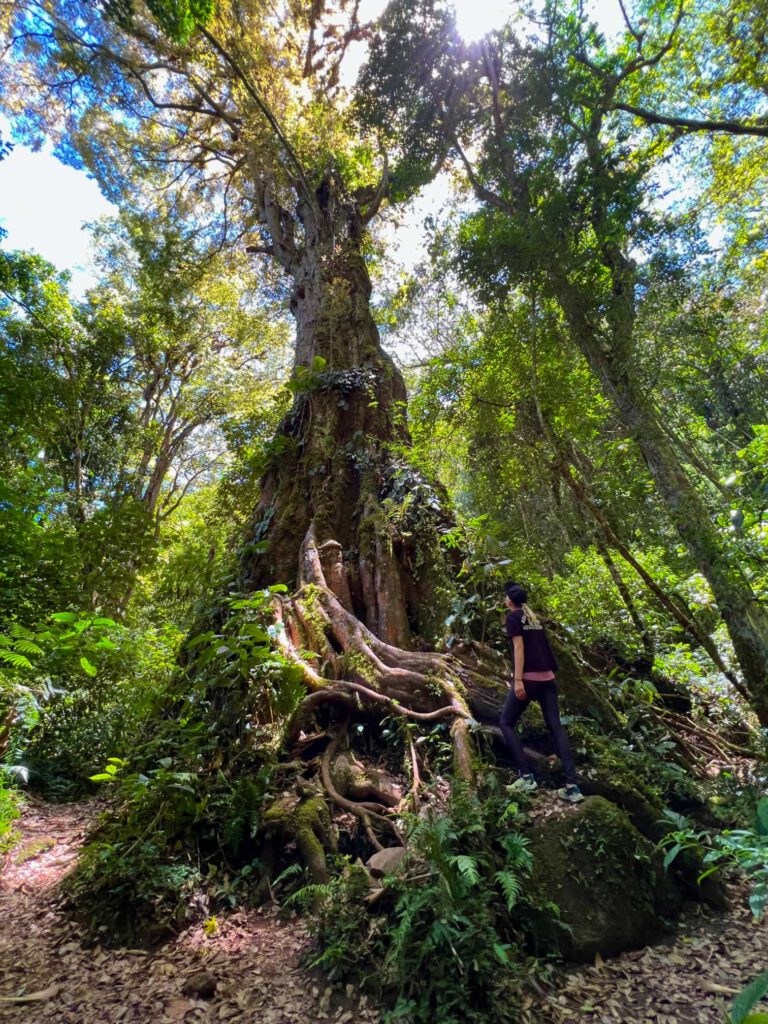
531,616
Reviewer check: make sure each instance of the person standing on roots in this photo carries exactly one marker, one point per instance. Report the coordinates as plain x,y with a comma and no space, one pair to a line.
534,679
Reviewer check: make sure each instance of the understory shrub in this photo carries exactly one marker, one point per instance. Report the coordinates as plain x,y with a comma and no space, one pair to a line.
9,812
184,834
745,849
442,943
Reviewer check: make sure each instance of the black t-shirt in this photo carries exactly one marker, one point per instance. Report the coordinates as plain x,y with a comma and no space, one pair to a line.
538,653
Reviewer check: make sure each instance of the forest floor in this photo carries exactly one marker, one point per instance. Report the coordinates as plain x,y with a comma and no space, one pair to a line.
253,956
255,959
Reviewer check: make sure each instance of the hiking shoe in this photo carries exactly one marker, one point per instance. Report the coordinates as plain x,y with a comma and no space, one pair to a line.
525,784
571,794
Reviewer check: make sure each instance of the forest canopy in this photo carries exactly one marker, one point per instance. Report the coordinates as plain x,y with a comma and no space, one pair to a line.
263,483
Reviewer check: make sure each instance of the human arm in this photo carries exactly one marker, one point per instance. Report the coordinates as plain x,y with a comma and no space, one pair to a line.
519,656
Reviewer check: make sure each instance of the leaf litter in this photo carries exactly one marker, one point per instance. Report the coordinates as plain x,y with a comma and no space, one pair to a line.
254,958
256,961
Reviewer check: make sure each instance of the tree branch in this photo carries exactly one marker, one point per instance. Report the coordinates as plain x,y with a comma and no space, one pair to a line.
257,98
687,124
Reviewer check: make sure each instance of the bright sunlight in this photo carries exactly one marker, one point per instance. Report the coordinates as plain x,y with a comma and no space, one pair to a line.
476,18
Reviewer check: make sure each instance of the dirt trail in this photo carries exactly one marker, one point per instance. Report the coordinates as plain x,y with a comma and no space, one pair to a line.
254,958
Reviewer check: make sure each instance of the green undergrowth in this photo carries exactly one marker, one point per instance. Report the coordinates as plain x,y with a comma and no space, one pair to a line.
182,836
732,849
443,941
179,845
627,761
659,781
9,812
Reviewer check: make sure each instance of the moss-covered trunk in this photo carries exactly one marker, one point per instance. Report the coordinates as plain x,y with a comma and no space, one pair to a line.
338,454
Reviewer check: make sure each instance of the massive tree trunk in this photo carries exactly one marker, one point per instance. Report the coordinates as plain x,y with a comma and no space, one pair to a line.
338,453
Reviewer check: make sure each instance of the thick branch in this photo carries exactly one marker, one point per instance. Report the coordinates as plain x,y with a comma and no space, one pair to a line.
756,128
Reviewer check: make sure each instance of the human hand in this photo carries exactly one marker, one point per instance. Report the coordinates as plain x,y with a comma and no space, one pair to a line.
520,689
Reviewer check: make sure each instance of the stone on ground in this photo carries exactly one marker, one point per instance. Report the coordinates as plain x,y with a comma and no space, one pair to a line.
606,878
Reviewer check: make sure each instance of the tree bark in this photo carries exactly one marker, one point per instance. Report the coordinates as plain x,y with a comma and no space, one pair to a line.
336,461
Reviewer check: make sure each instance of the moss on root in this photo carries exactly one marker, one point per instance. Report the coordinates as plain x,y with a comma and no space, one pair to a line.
307,822
353,664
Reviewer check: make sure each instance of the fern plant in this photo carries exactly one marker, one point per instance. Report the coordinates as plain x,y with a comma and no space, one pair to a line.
440,944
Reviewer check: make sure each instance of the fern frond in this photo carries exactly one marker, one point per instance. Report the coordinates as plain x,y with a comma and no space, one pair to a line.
20,632
290,872
467,867
14,658
510,886
27,647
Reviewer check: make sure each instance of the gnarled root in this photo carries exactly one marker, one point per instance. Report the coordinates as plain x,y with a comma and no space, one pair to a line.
422,686
365,810
307,822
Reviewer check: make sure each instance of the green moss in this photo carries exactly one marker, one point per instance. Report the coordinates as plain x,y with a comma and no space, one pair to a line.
654,780
605,878
353,663
32,850
308,823
311,606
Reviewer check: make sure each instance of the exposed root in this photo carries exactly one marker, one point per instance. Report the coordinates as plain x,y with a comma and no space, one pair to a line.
422,686
367,812
462,750
415,774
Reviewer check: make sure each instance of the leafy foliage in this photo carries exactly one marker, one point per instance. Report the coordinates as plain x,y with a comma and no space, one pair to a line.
444,940
746,849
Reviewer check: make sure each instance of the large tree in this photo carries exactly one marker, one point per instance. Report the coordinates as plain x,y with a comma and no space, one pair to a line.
196,92
241,109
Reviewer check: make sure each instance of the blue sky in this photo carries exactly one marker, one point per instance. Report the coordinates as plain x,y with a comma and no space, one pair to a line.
43,206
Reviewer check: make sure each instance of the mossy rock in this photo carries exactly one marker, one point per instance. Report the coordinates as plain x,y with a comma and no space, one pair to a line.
606,879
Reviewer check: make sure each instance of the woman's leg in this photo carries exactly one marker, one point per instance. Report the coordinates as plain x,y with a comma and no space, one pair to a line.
546,695
510,713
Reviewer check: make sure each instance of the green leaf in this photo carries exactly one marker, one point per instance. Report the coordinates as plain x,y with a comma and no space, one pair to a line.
746,999
201,638
102,777
501,953
671,854
64,617
87,667
14,658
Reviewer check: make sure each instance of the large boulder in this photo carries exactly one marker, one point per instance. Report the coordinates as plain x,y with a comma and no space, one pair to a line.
607,880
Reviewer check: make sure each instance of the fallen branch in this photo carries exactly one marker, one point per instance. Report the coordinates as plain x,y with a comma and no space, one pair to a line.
35,997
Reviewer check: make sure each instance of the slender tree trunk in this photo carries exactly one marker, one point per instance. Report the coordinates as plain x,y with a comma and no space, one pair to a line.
626,596
746,621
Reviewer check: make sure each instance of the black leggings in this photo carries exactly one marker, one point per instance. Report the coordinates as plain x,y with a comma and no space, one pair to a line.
546,695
